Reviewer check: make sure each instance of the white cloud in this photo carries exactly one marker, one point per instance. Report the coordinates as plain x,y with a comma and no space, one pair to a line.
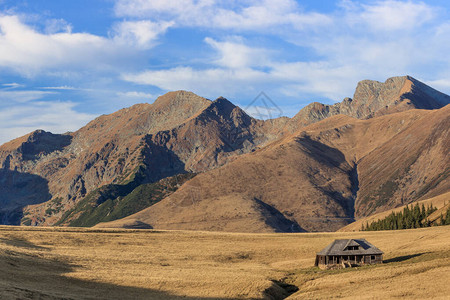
395,15
235,15
208,82
62,87
142,8
8,96
233,53
321,79
360,41
263,15
134,94
57,117
142,34
12,85
29,52
243,70
23,111
57,25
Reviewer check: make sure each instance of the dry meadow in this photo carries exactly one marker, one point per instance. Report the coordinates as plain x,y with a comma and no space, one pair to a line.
55,263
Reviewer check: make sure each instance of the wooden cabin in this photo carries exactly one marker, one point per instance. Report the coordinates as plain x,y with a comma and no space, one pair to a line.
348,253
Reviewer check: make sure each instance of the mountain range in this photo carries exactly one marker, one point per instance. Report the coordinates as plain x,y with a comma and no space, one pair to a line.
185,162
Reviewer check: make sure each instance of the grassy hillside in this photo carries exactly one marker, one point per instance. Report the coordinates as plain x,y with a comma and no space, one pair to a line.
48,263
113,201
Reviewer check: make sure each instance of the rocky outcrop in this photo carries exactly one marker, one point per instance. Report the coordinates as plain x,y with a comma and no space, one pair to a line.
373,98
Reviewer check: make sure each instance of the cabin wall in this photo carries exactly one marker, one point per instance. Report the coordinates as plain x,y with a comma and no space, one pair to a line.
378,259
333,261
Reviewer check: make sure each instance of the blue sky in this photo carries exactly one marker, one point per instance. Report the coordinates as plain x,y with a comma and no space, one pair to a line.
64,62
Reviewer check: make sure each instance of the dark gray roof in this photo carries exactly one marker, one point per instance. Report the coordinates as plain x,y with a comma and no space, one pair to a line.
339,247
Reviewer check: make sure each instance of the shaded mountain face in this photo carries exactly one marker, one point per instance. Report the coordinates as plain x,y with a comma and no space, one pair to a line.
258,176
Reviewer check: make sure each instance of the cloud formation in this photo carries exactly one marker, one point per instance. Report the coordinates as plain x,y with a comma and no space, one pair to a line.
141,34
355,42
29,52
25,110
55,116
231,15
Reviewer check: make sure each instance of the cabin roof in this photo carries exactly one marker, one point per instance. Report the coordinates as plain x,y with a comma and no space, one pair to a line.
339,247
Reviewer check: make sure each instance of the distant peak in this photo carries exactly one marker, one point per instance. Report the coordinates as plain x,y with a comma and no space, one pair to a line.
221,98
36,134
179,98
391,82
222,105
223,101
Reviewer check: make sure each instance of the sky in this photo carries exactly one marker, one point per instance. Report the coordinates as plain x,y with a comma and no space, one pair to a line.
65,62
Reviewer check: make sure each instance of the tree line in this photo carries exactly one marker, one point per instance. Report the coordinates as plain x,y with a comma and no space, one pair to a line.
411,217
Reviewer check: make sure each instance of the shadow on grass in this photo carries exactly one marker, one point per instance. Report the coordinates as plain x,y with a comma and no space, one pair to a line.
21,243
280,290
402,258
32,276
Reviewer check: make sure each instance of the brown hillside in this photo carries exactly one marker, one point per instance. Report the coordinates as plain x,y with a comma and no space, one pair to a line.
179,132
319,178
399,158
276,175
285,182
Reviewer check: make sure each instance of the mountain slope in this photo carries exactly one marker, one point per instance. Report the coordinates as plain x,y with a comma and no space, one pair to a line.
320,178
180,132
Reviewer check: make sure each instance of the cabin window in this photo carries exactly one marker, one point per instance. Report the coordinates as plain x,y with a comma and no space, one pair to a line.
352,248
372,257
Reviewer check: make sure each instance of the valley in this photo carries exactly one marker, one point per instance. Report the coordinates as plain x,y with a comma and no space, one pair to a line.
70,263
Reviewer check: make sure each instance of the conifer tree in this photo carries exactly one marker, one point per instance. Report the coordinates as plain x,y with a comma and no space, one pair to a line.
447,217
414,216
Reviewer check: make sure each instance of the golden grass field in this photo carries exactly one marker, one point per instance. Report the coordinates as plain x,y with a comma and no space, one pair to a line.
55,263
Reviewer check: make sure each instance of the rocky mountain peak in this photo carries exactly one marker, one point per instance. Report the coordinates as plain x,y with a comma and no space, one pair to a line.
180,100
425,97
223,105
370,90
399,92
373,98
41,142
